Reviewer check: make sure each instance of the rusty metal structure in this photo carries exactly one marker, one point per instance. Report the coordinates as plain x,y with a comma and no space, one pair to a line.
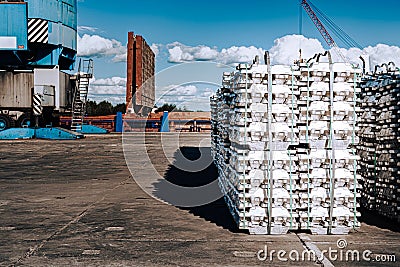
140,87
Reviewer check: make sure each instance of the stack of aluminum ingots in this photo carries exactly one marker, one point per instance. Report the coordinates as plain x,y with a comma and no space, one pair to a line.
283,140
379,146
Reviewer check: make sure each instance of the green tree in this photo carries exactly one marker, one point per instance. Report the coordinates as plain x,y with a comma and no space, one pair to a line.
91,107
119,108
103,108
172,107
167,107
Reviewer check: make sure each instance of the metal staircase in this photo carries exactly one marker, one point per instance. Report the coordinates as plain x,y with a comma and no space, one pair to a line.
85,73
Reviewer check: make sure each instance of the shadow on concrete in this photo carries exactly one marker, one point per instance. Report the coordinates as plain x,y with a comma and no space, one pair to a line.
378,220
216,212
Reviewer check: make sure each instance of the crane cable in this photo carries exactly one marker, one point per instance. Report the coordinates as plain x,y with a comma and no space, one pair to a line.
339,32
300,28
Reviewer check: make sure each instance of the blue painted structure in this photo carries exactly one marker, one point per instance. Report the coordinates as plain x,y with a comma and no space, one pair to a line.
54,133
164,123
45,33
17,133
92,129
118,122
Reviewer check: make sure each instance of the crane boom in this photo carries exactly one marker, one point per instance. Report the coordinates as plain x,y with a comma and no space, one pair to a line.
321,28
308,7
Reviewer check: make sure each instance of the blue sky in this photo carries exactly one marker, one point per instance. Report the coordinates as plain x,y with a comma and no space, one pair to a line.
219,24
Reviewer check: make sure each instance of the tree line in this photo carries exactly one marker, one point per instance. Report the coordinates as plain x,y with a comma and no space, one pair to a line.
103,108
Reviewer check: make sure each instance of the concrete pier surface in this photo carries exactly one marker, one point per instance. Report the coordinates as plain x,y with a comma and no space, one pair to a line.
75,203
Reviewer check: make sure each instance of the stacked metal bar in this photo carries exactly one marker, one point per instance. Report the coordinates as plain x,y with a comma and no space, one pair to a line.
282,141
329,128
380,141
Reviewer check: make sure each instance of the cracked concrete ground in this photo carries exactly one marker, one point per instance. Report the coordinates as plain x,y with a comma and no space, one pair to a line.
75,203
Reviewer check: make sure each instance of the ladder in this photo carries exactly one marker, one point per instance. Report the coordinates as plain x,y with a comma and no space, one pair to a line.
85,73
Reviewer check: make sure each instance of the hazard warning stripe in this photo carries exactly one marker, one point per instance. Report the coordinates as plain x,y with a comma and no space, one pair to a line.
38,31
37,105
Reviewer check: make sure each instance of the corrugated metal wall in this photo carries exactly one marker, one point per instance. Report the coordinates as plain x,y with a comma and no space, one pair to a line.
62,17
16,89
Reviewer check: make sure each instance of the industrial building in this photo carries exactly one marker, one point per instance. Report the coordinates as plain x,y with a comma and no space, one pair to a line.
38,44
140,87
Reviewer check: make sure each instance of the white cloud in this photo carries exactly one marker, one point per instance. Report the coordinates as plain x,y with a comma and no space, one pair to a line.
113,81
241,54
207,92
179,90
383,53
284,51
179,53
182,53
193,97
97,46
176,55
114,100
379,54
156,48
110,89
120,57
82,29
205,53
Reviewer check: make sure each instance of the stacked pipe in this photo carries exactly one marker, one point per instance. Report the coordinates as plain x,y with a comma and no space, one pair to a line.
380,141
283,141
